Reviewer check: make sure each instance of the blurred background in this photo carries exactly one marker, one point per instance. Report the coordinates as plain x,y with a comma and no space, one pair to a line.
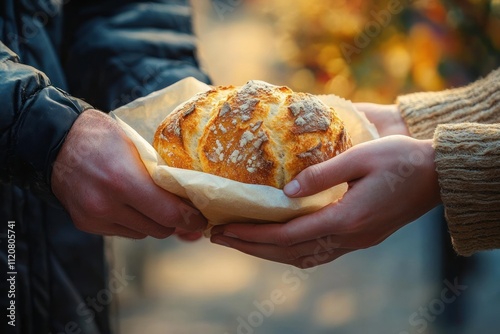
362,51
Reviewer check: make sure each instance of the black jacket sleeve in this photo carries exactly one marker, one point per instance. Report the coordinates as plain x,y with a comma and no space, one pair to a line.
119,50
35,118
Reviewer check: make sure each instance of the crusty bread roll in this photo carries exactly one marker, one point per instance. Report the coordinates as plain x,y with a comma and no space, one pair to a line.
257,133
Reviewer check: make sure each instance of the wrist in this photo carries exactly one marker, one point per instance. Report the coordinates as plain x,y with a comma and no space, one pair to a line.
398,121
386,118
429,170
88,130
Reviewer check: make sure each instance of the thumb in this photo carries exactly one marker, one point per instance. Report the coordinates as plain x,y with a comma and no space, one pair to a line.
344,167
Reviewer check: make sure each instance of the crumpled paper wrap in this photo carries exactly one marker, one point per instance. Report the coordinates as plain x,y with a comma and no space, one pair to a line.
219,199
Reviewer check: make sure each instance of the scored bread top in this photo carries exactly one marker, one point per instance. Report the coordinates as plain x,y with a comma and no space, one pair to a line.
257,133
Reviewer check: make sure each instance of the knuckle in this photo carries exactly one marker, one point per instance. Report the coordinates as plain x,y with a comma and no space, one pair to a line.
315,176
96,206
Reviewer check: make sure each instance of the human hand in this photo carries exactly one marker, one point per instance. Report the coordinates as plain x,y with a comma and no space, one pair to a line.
386,118
392,181
100,180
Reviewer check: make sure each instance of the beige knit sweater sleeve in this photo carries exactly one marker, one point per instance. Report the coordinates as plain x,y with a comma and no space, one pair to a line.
465,125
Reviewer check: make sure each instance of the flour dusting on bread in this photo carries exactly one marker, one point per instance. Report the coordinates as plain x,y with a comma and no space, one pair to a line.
256,133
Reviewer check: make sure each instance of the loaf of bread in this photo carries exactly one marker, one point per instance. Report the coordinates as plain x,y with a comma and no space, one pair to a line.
257,133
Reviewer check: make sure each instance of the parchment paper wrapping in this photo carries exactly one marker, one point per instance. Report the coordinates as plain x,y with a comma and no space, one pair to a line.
222,200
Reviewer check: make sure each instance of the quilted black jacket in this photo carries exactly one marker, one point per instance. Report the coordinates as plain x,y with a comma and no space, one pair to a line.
106,53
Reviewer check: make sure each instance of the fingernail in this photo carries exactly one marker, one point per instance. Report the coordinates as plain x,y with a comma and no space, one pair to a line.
292,188
220,242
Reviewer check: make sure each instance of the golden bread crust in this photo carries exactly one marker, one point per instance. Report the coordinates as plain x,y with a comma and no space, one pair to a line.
257,133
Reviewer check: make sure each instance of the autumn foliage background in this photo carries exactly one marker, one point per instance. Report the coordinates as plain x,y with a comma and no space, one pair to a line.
373,50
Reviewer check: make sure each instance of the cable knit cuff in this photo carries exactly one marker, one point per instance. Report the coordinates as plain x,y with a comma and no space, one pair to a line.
423,112
468,167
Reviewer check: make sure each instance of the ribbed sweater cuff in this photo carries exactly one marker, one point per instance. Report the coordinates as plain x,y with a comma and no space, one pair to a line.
468,167
423,112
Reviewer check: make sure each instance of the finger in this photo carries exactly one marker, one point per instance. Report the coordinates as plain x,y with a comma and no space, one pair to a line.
275,234
319,259
345,167
326,222
122,231
343,224
115,230
158,204
293,255
136,221
288,253
167,209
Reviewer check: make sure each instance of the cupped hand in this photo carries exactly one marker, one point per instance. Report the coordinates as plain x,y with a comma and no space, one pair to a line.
392,181
100,180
